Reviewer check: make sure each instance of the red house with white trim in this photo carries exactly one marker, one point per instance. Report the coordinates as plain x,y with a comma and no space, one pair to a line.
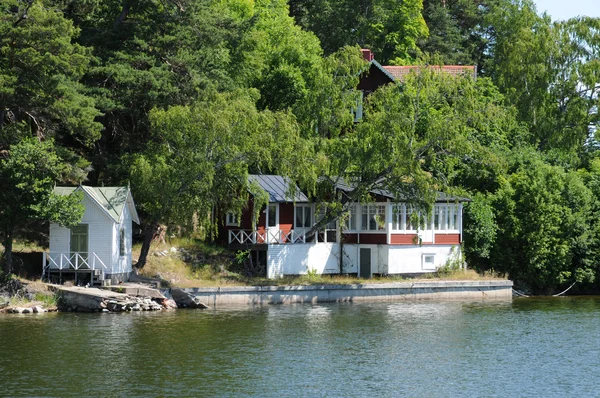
381,237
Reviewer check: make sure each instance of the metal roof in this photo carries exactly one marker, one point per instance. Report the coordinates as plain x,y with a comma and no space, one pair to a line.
440,196
111,199
278,188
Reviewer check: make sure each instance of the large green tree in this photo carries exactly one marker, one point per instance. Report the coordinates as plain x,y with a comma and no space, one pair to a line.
541,230
40,71
199,158
390,28
29,171
548,71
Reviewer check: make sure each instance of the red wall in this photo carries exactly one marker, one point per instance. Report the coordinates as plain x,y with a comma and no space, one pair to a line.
447,239
373,239
404,239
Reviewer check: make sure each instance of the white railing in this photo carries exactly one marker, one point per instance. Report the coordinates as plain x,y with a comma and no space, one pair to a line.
71,261
269,236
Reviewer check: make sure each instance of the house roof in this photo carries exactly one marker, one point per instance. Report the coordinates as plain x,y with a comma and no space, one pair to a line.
112,200
398,72
341,184
385,71
278,188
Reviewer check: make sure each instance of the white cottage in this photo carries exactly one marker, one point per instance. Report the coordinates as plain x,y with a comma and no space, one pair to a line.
98,249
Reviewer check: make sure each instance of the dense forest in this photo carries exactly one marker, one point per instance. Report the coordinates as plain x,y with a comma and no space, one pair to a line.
182,99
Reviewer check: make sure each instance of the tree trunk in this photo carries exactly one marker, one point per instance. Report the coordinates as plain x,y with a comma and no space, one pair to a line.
8,242
148,234
2,115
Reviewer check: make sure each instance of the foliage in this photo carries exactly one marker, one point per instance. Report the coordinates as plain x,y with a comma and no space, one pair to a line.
28,173
183,99
201,153
543,227
40,72
390,28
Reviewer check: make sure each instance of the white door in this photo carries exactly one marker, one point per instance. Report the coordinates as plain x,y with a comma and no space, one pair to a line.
273,223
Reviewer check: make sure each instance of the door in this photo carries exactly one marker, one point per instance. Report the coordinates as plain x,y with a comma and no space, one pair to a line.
365,263
273,223
79,244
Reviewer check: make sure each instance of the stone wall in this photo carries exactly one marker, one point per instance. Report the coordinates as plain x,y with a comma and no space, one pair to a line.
435,290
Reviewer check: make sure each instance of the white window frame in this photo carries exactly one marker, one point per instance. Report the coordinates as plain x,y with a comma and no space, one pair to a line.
449,217
331,225
302,208
425,256
231,220
352,214
373,210
400,218
268,219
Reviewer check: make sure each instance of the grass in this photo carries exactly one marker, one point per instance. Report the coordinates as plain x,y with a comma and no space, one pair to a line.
197,264
33,293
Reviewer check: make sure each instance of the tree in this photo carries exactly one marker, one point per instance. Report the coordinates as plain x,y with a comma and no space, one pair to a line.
389,28
432,133
199,158
40,72
543,237
28,172
548,72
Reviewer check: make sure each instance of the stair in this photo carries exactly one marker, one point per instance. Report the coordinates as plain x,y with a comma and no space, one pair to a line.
98,278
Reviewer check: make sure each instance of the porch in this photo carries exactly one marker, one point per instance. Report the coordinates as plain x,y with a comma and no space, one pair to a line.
77,266
248,237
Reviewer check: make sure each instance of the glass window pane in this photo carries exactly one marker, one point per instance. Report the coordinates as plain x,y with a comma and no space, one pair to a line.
299,211
272,215
307,217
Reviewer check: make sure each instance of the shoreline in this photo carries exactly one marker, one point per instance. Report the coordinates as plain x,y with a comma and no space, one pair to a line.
141,298
393,291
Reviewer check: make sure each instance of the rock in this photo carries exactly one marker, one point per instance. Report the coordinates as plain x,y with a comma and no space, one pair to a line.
27,311
17,310
169,303
105,310
185,300
38,309
136,307
173,250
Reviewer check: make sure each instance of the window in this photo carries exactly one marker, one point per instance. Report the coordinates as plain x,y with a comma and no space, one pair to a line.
446,217
406,218
350,224
272,215
399,219
331,224
428,262
122,242
232,220
358,109
303,216
373,217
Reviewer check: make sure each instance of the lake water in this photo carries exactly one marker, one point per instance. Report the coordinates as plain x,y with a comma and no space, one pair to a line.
524,348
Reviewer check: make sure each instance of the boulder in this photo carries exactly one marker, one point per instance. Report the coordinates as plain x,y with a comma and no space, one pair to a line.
186,300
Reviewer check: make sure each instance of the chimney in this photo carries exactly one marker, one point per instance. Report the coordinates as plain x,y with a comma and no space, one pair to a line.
367,54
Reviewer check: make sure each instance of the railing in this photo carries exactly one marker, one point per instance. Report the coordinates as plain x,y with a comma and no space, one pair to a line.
72,261
245,236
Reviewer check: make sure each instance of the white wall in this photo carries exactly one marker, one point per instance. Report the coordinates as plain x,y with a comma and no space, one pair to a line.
122,263
298,258
409,259
100,239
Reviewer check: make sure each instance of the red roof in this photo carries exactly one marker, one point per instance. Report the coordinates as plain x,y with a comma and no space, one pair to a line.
400,71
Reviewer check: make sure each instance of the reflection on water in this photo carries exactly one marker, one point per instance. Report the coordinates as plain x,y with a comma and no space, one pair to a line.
527,347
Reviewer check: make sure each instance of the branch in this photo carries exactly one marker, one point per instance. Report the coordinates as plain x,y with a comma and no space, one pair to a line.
24,16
